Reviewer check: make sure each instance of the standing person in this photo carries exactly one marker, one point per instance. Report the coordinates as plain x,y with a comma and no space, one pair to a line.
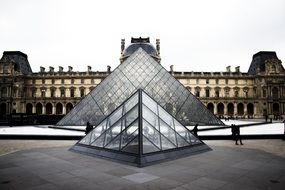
88,128
195,130
236,132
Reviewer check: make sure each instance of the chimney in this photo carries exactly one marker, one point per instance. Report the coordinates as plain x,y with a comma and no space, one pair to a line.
158,46
108,69
51,69
228,68
60,68
42,69
89,68
237,69
171,69
122,45
70,69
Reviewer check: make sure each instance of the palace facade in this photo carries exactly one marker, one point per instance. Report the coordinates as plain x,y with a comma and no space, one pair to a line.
253,94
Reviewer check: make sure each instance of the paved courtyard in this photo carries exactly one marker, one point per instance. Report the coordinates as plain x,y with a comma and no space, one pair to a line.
259,164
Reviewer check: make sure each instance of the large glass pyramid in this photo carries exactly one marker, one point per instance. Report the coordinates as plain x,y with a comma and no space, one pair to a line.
140,132
140,71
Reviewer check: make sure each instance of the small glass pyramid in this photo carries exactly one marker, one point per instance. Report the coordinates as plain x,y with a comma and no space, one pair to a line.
140,132
140,71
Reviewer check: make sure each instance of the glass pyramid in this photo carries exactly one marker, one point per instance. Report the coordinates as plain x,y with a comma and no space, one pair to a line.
140,132
140,71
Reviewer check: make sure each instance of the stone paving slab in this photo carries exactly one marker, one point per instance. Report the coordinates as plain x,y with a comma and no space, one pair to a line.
226,167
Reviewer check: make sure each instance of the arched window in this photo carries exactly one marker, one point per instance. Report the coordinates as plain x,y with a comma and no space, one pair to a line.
240,108
58,108
250,109
275,92
39,108
48,108
210,107
275,109
4,92
69,107
3,109
29,108
220,109
230,108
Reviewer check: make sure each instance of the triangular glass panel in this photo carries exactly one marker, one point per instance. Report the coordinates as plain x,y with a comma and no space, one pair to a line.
132,146
151,134
149,146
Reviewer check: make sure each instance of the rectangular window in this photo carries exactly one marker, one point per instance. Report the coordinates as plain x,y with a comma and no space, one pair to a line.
52,93
217,93
197,93
207,81
62,92
52,81
82,81
62,81
43,93
43,81
72,81
207,93
82,92
72,92
227,81
264,93
217,81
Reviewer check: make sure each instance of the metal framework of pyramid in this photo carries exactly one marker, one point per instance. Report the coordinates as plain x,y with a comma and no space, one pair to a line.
140,132
140,71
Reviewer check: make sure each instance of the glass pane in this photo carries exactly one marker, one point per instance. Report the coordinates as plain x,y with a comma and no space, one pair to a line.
129,134
131,103
166,144
151,134
148,146
86,139
150,117
132,147
167,132
165,117
113,132
114,144
131,116
152,105
115,116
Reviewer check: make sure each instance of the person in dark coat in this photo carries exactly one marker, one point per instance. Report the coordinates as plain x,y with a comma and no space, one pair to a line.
236,134
88,128
195,130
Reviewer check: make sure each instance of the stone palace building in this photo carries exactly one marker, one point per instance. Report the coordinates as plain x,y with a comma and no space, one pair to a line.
50,92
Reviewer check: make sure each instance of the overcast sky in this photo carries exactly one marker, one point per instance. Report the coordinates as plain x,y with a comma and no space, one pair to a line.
198,35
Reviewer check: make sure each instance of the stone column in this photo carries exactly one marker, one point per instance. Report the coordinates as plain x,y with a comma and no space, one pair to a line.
63,108
44,109
215,109
235,108
245,110
34,109
53,108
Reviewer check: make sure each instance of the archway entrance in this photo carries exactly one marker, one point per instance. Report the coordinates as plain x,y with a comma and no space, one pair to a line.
230,109
48,108
250,109
69,107
220,109
275,92
58,108
240,108
3,110
39,108
210,107
276,109
29,108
